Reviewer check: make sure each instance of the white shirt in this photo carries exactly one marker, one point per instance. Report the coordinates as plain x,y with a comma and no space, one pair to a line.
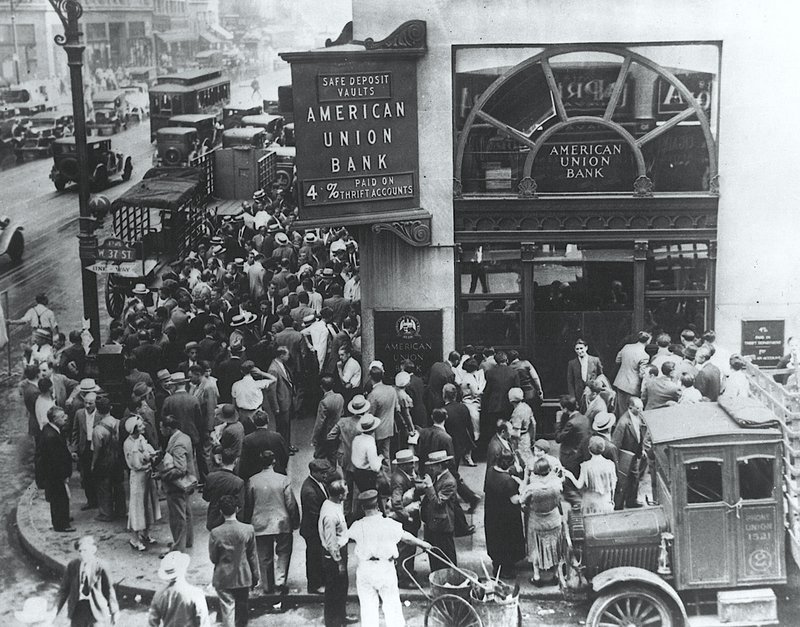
584,361
351,373
364,453
43,403
247,393
40,316
376,536
318,332
332,528
90,428
352,289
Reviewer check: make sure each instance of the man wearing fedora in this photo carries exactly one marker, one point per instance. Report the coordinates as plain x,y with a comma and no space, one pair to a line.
186,410
440,494
343,433
178,604
81,439
405,508
281,396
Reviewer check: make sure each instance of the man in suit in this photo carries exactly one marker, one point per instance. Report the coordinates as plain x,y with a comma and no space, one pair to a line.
633,359
572,433
495,404
179,446
660,391
81,441
338,304
440,373
228,372
232,550
631,435
581,370
458,425
205,391
256,443
501,441
313,493
186,409
439,502
405,508
55,461
63,386
329,411
86,588
383,401
280,396
434,438
220,483
416,391
708,379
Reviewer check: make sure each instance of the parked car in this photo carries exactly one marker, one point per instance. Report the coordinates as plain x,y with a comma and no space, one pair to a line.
249,136
232,115
175,145
104,163
40,133
110,112
208,132
272,124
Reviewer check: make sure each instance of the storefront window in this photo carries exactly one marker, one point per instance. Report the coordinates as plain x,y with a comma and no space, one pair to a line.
495,322
490,269
672,315
677,267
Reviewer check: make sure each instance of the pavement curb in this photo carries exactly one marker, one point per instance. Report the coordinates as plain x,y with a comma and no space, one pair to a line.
35,544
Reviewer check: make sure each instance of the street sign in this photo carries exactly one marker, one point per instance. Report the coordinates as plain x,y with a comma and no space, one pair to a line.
122,268
763,341
113,249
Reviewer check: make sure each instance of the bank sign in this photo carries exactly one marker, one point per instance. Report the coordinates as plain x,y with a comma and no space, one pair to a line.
356,134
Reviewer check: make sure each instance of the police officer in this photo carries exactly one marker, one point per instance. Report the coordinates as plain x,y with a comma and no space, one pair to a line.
376,541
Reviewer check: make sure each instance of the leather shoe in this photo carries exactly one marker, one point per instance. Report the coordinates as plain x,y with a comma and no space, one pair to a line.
634,505
349,620
65,530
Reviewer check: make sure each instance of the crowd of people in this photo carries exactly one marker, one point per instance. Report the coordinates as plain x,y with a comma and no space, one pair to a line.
257,331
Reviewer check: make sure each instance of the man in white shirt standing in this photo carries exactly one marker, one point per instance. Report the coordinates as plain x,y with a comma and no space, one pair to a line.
334,538
39,316
248,392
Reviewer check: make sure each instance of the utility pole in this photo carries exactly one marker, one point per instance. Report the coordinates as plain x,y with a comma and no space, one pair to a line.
14,41
70,11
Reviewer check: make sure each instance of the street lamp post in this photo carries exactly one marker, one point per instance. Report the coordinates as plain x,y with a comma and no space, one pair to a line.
69,12
14,41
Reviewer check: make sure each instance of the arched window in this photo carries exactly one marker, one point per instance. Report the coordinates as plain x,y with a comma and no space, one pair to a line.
586,118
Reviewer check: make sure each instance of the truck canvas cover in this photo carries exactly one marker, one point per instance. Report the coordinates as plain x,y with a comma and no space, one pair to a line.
162,188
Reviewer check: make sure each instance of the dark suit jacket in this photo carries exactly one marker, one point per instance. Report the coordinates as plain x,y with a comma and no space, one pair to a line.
439,503
339,305
311,499
55,459
227,372
232,550
624,437
416,390
100,586
432,439
280,395
659,391
401,483
218,484
329,410
573,435
293,340
186,409
499,380
575,383
79,437
708,380
459,426
256,443
441,372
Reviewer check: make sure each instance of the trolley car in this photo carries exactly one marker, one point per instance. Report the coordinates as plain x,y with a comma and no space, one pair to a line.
160,219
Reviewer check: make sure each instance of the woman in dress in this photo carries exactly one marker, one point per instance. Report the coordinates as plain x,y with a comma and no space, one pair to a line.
737,384
472,382
143,507
541,497
523,427
598,479
505,538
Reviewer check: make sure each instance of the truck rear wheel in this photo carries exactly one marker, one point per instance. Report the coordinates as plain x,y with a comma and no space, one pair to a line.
630,606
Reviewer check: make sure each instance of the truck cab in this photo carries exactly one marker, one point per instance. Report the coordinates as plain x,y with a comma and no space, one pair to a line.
110,111
204,124
272,124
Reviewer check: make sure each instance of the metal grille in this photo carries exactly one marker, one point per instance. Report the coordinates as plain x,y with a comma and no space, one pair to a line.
267,170
205,163
131,224
640,556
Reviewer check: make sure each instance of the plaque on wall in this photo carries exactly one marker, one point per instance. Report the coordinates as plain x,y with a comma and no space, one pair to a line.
408,334
763,340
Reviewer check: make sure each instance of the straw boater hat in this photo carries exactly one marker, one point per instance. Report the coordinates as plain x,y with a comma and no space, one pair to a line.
88,385
309,319
43,334
239,261
310,238
242,319
177,378
328,272
140,289
163,375
402,379
174,564
368,423
34,611
405,456
131,422
273,227
338,246
604,421
376,364
259,194
438,457
359,405
281,239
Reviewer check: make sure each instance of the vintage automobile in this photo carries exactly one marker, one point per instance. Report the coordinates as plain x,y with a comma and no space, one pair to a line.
103,163
9,122
232,115
272,124
42,130
287,135
26,101
138,101
175,145
715,537
12,242
110,112
248,136
160,220
208,131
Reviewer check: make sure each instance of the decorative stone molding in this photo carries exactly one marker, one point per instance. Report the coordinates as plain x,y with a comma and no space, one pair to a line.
713,185
457,191
640,249
643,187
413,232
345,37
527,188
408,36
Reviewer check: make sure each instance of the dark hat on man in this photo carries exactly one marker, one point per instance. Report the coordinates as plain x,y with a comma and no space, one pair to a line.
140,390
690,352
367,496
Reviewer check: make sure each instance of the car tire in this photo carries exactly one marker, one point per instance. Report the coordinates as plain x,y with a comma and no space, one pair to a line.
172,156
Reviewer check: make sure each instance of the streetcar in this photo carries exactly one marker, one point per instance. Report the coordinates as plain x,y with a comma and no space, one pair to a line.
195,91
711,546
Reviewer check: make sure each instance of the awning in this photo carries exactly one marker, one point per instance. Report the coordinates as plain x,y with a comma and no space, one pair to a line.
225,34
211,38
175,36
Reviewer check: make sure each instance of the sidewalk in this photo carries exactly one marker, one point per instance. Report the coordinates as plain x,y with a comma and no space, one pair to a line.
135,573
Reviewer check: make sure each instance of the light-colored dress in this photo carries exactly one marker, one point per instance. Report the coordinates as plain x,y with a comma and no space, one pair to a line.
599,477
472,385
541,497
524,428
143,507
